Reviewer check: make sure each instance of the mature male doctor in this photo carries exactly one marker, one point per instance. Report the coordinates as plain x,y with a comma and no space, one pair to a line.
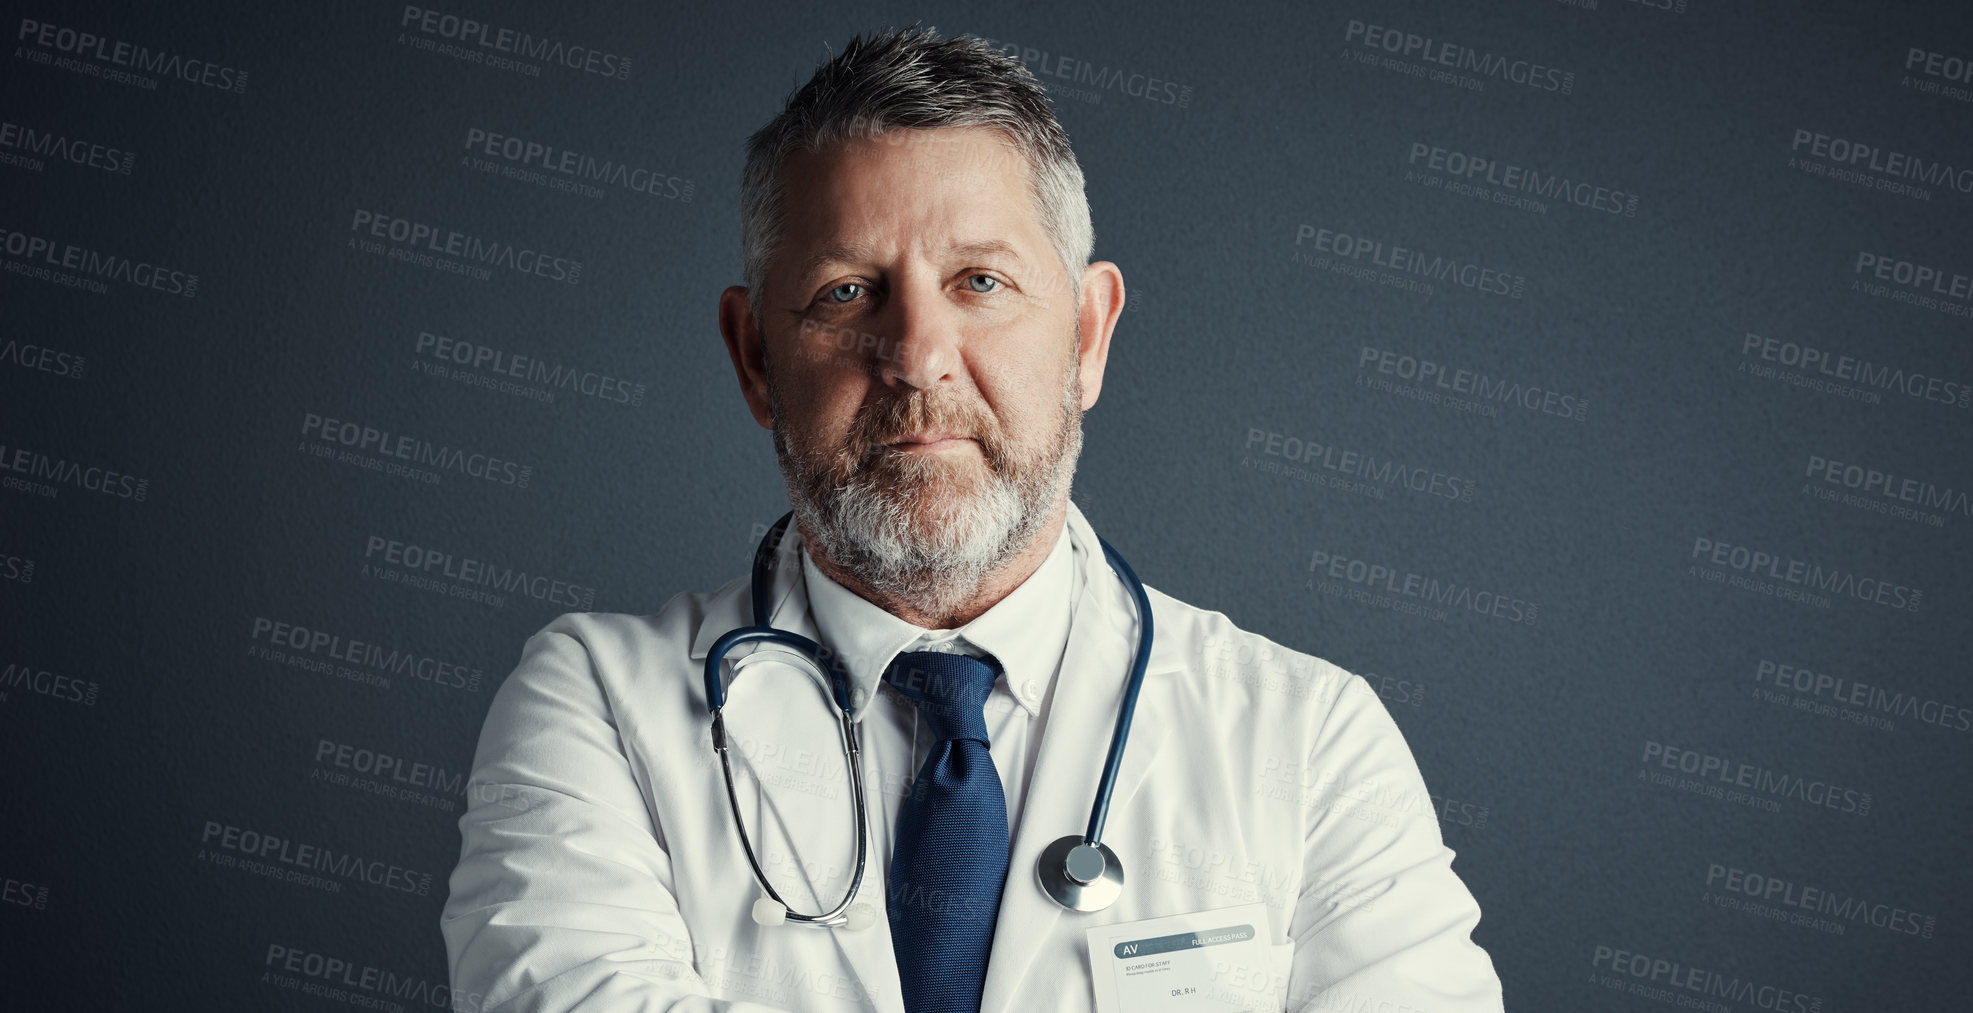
922,330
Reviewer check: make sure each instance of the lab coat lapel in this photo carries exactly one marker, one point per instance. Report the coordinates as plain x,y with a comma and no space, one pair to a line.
1075,743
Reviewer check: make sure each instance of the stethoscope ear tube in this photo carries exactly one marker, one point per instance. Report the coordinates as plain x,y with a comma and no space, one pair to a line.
764,563
716,681
761,631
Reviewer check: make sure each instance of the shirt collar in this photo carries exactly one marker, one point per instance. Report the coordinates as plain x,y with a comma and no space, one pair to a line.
1026,632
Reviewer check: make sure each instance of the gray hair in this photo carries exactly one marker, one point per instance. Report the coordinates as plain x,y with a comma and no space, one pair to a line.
909,80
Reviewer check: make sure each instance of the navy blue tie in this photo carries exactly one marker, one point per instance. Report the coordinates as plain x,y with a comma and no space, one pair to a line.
949,860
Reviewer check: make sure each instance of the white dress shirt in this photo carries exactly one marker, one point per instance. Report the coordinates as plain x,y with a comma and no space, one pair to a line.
1026,632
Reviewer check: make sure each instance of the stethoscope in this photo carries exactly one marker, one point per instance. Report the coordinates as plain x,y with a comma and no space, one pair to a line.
1079,871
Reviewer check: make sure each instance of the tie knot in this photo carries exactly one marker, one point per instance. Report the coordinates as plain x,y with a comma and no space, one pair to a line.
950,690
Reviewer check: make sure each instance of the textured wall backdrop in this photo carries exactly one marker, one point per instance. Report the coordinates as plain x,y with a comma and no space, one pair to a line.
1592,377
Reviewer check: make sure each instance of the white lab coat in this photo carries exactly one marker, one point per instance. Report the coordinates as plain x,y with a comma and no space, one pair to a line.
599,868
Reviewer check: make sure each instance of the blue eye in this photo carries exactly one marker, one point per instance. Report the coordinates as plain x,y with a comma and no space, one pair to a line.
838,290
989,278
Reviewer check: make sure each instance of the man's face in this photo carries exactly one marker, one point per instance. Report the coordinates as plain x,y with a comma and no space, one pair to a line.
921,346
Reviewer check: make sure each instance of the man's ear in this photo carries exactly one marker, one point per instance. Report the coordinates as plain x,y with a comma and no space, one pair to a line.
748,350
1102,303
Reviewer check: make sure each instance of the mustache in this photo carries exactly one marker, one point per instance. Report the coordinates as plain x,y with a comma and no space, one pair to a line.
885,423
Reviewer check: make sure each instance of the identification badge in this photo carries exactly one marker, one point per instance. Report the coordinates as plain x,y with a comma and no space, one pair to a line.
1205,962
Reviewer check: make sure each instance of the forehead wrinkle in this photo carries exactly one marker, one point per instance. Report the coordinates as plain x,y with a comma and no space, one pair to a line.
833,253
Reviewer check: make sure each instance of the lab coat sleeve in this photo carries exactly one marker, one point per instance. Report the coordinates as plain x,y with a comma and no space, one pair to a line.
1382,922
562,899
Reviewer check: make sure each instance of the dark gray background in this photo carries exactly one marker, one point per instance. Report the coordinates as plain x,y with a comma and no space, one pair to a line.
1532,736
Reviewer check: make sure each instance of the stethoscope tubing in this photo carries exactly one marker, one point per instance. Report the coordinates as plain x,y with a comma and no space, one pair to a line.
839,690
1100,810
851,749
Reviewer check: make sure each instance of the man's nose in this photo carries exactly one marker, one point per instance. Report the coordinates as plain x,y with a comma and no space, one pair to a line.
922,348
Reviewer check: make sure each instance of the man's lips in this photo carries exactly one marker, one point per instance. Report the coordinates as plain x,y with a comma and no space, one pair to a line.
929,441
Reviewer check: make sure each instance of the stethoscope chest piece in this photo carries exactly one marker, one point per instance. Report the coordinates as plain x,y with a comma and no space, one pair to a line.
1080,876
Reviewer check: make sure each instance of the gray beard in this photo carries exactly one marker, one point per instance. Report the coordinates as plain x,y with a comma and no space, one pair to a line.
872,525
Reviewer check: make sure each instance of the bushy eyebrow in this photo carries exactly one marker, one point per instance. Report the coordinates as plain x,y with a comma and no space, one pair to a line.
850,253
